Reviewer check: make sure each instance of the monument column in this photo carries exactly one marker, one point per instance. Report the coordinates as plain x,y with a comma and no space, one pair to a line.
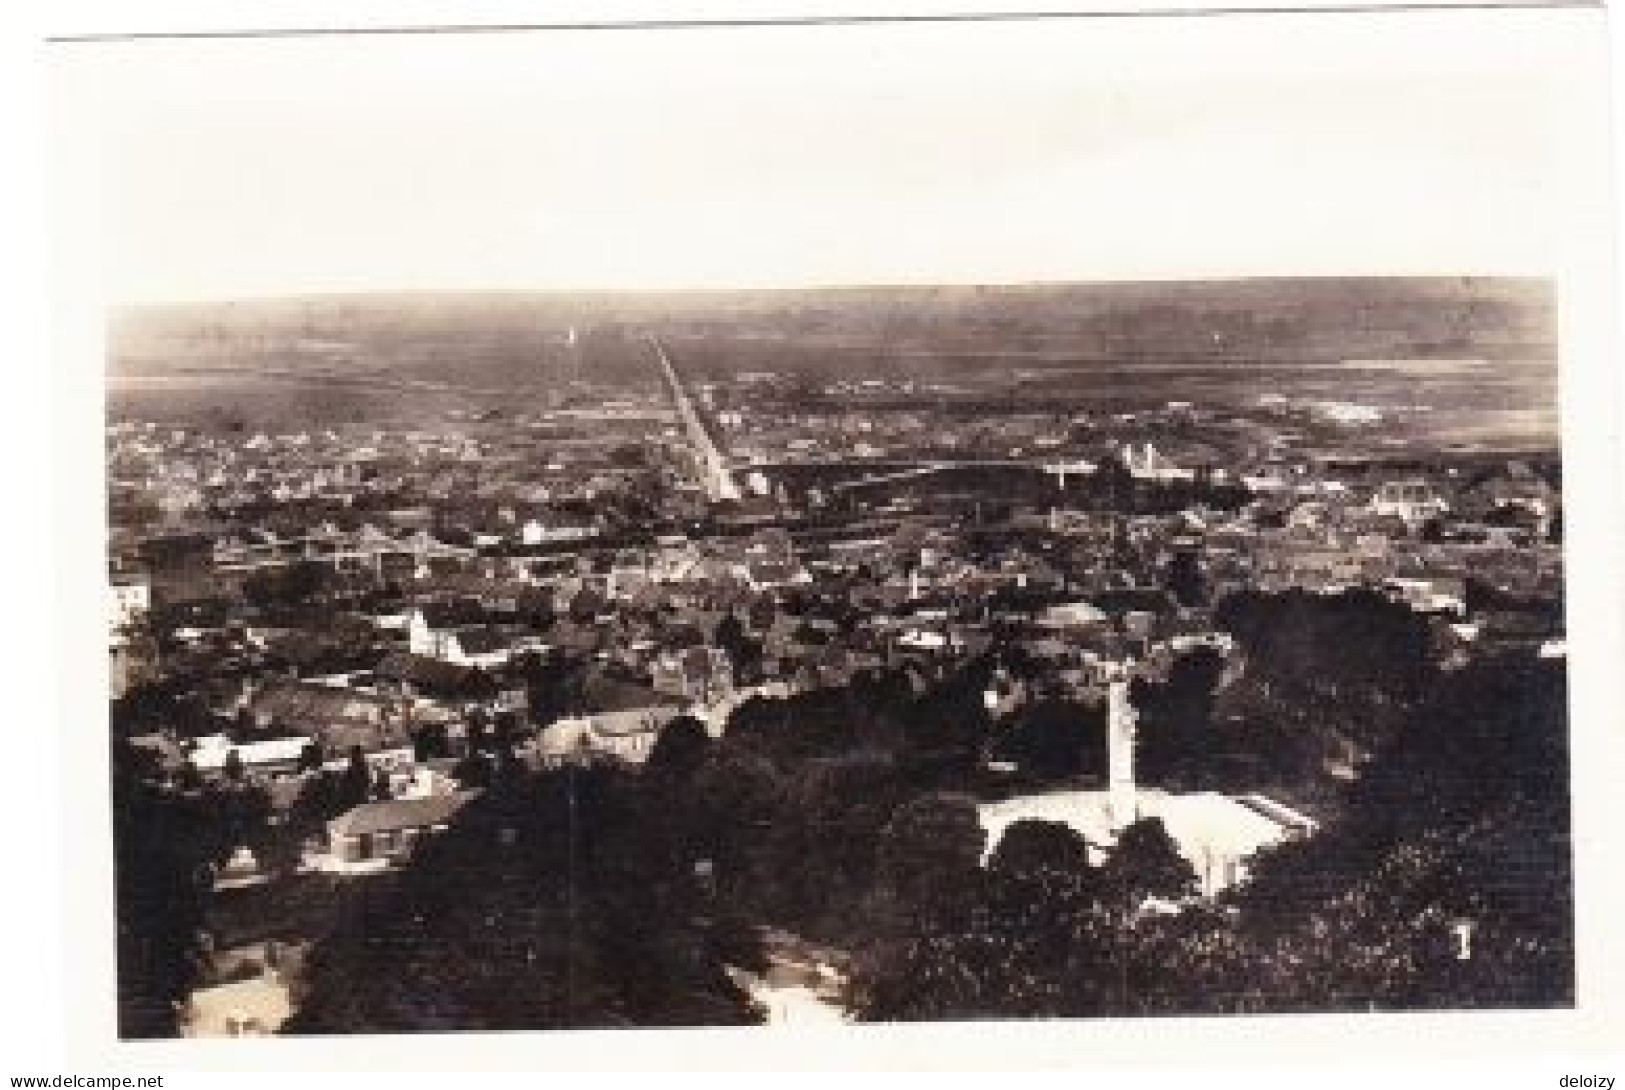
1121,792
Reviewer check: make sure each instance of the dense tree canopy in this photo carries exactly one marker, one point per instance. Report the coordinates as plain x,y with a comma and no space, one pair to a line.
164,844
612,897
1444,881
547,906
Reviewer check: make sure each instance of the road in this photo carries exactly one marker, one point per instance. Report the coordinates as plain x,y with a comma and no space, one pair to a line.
802,984
715,474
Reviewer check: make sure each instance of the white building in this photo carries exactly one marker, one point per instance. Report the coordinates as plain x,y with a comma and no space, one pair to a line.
275,755
1412,501
255,1007
1148,463
129,600
535,532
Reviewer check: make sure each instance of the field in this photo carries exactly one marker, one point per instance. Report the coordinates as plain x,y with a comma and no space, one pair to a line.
1460,360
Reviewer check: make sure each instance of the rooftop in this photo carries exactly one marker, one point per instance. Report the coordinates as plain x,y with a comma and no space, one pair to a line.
397,814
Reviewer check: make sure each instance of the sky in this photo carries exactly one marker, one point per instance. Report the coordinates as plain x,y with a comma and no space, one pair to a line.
1091,149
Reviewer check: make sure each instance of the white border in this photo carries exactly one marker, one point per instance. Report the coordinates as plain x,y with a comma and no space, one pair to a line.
58,709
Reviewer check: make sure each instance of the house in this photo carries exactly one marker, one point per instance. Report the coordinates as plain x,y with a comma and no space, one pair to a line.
676,560
163,749
771,574
432,625
1412,500
129,602
1516,488
337,717
921,637
1148,463
252,1007
130,662
377,835
699,675
550,529
1430,594
478,646
1072,615
419,676
618,720
275,757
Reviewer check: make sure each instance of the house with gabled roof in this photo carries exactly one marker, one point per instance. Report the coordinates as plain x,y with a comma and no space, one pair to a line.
272,757
377,835
336,716
458,631
420,676
480,646
617,720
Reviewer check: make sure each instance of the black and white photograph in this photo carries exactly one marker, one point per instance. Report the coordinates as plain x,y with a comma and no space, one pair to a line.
833,524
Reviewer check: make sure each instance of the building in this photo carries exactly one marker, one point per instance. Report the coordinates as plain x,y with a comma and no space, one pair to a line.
253,1007
478,646
130,597
618,720
338,717
1413,501
432,626
423,678
696,675
377,835
275,757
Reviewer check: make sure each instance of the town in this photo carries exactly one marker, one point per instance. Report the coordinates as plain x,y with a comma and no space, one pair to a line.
717,695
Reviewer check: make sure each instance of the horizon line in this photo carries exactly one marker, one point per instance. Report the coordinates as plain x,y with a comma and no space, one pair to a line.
314,294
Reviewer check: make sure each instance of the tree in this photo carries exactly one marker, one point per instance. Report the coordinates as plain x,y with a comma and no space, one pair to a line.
543,906
296,584
476,734
734,804
730,636
1178,743
1363,913
537,609
930,845
1185,579
1053,739
310,758
430,742
356,785
161,845
1027,938
761,613
552,686
1032,845
1146,862
474,770
1512,516
680,749
1321,681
